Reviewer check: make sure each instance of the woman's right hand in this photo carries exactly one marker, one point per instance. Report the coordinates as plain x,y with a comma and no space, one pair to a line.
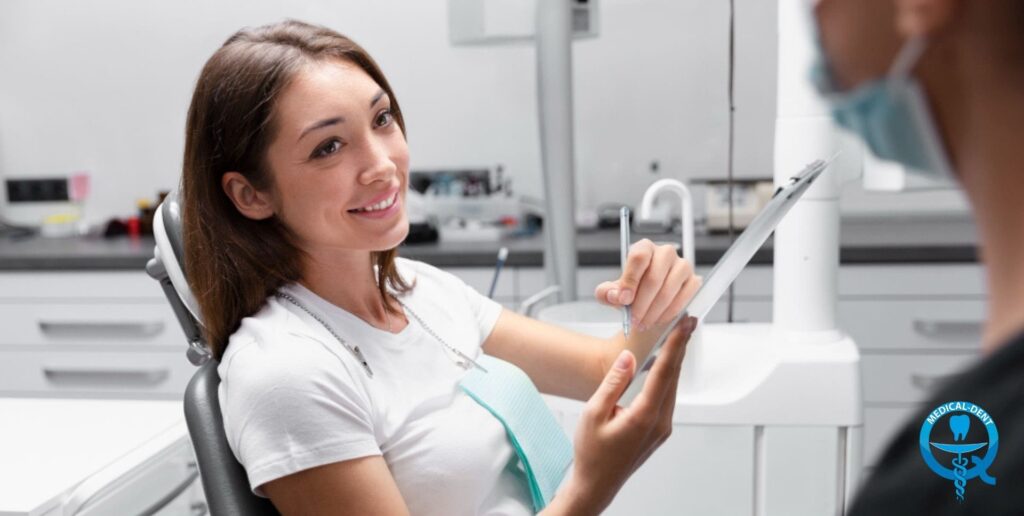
611,442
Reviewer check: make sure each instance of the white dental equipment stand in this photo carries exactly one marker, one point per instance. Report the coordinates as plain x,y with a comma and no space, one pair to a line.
768,418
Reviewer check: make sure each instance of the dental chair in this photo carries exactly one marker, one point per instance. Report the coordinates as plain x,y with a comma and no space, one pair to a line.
225,483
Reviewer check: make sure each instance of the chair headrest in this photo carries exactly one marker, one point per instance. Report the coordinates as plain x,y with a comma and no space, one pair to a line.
170,248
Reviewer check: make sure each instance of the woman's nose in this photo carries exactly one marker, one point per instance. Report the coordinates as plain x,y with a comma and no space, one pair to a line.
378,164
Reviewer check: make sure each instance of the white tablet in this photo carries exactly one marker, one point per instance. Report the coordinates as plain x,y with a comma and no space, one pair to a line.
727,268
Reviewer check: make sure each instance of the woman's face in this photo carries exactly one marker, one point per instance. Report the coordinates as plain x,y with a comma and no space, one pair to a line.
339,161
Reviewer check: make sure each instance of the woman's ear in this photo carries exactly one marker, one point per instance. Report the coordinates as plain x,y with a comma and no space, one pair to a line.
924,17
249,201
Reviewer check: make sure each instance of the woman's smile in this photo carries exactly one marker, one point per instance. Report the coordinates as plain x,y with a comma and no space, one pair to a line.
382,209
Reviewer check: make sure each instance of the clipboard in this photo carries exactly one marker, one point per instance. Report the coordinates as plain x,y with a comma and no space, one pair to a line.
727,269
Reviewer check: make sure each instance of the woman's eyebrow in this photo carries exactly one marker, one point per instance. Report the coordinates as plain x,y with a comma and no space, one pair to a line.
376,98
321,124
339,119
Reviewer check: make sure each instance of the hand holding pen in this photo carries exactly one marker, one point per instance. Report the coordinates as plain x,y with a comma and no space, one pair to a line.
655,284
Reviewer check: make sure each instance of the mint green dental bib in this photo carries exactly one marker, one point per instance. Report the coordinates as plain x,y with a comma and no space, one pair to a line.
542,447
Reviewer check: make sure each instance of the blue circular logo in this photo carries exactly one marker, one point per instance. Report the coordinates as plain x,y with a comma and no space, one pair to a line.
966,460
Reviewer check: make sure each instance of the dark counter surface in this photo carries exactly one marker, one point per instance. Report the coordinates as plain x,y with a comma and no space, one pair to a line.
874,240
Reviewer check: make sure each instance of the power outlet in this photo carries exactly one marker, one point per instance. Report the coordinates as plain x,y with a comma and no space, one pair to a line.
37,190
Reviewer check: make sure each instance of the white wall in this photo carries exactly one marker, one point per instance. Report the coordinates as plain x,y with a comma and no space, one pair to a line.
103,86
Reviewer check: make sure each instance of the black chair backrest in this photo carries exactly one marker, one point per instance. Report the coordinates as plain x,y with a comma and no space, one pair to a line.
224,479
225,482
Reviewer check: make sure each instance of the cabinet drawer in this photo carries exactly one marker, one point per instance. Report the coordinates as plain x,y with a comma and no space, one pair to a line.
883,280
52,285
99,373
148,325
913,324
895,325
908,378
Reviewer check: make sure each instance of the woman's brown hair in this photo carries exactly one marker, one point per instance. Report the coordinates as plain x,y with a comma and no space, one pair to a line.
234,263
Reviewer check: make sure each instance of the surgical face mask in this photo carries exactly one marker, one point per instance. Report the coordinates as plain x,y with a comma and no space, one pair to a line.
890,114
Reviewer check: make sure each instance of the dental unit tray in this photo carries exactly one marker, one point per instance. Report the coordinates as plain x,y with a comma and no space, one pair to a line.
727,268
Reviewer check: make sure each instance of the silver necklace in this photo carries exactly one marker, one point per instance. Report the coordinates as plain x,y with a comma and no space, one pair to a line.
352,349
465,361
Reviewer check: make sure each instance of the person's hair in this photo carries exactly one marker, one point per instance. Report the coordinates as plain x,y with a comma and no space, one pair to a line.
1015,27
234,263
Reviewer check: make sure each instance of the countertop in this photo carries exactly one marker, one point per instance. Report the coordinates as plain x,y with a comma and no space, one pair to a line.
876,240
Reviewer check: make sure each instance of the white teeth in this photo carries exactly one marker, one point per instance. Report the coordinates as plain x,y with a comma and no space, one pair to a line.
381,205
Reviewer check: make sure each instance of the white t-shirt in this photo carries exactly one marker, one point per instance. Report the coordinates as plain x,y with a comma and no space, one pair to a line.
293,398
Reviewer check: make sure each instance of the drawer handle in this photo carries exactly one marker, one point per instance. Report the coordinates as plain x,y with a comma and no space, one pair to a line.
930,382
100,376
948,330
97,330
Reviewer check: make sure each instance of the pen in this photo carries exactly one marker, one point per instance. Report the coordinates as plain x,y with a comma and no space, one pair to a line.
627,311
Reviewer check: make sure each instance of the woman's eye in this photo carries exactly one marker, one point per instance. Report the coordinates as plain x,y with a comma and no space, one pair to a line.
327,149
384,118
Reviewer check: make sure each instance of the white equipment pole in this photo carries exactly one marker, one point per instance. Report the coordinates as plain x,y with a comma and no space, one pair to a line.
806,263
554,104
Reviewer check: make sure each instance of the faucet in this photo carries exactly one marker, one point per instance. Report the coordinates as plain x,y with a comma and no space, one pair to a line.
686,207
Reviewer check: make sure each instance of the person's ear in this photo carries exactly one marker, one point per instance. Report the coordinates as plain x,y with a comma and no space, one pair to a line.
924,17
249,201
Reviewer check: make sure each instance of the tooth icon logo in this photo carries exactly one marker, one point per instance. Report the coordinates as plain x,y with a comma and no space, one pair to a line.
966,460
960,424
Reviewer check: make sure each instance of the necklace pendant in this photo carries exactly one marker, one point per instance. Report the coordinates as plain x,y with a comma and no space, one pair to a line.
359,356
352,349
466,361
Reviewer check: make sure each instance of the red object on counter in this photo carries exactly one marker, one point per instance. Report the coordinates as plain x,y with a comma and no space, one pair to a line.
134,228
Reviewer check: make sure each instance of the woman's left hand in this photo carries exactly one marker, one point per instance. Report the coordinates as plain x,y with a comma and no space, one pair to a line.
656,281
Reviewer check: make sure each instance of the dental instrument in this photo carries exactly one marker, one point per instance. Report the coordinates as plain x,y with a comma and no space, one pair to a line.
502,256
627,310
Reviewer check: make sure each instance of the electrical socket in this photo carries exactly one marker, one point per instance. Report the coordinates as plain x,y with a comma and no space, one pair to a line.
37,190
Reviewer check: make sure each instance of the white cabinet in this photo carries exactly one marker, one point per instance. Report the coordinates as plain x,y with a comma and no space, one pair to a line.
916,325
89,334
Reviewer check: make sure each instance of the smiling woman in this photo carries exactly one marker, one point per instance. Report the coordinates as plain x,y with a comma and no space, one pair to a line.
239,256
295,175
